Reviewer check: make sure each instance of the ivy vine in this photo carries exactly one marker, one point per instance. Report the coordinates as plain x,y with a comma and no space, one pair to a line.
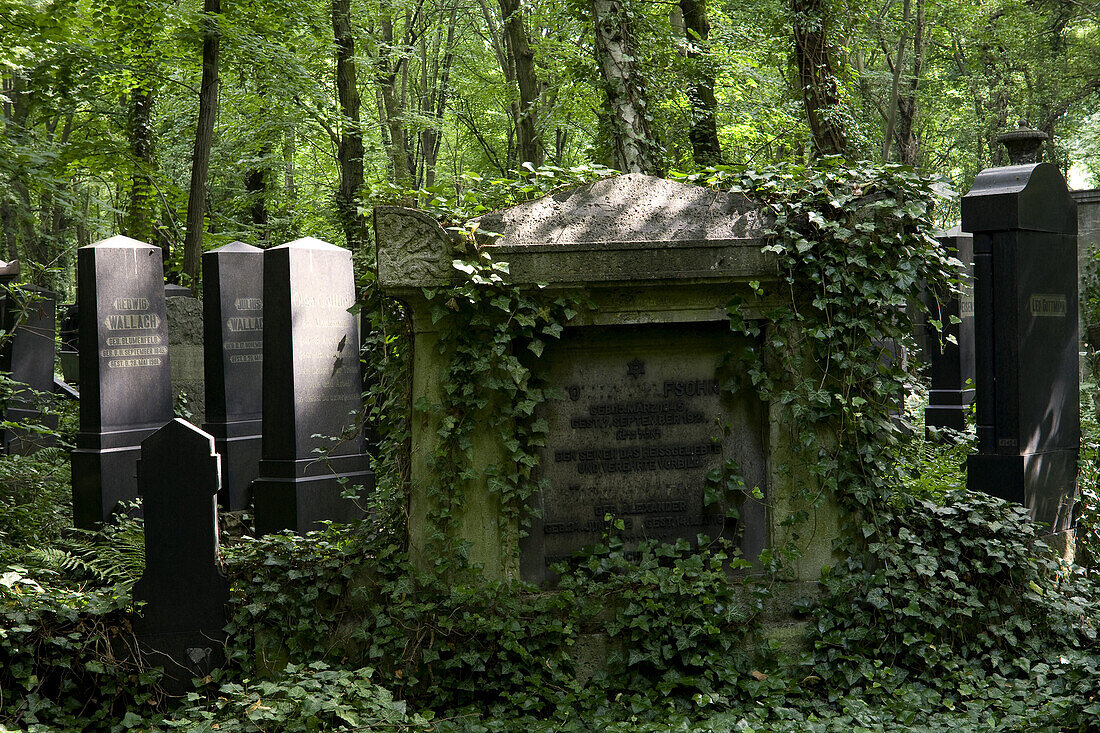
492,333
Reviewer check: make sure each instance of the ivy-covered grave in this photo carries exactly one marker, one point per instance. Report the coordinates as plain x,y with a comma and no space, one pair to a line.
575,374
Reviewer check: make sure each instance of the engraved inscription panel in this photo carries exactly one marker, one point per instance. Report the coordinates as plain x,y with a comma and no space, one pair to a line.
327,381
639,426
131,341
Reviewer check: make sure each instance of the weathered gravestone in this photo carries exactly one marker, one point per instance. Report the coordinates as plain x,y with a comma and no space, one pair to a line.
182,586
27,355
950,352
1024,224
636,430
125,382
233,319
312,390
1088,251
185,350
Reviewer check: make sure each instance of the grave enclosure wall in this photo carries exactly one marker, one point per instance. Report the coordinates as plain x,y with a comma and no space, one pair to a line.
636,429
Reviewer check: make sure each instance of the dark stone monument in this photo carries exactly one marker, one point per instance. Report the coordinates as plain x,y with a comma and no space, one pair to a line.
183,587
1024,224
125,380
950,352
233,317
27,355
312,388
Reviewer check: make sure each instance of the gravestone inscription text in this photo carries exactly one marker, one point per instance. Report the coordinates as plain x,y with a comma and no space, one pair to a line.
641,422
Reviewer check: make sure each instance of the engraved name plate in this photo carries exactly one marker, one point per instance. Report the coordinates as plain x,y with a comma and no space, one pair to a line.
641,421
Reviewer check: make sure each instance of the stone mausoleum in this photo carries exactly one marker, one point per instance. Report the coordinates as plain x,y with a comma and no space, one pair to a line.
639,422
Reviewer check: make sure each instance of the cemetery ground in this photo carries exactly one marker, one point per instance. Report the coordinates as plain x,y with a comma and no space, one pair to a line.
940,608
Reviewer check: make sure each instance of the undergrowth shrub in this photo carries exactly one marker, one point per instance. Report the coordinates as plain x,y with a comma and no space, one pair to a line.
35,499
946,595
67,660
311,697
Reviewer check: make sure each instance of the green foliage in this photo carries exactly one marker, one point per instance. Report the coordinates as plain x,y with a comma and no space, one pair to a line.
493,334
309,697
944,615
35,500
677,627
1088,479
113,555
387,365
290,592
853,247
948,594
66,658
930,464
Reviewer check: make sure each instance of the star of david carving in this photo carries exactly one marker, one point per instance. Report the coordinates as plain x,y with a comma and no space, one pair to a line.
635,367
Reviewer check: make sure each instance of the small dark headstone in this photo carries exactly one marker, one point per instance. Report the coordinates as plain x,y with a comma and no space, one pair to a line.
125,379
311,390
28,356
183,587
1025,263
233,317
950,352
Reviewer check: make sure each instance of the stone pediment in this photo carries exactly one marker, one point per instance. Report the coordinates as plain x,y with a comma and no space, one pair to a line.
628,208
627,229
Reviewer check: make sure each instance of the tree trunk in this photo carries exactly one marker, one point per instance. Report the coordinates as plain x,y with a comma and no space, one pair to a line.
18,216
349,153
392,107
256,186
528,146
817,77
140,220
704,120
204,137
434,101
634,148
908,142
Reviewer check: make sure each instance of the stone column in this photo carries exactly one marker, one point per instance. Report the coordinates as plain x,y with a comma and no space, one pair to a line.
1025,261
312,390
125,380
233,322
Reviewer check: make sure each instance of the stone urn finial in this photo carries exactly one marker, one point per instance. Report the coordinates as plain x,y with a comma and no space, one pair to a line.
1023,144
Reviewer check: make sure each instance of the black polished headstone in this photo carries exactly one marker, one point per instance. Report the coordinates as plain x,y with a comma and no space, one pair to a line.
950,352
182,586
125,383
311,390
233,317
1024,224
27,356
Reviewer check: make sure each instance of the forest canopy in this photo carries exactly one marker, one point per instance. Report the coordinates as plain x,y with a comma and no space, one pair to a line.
191,124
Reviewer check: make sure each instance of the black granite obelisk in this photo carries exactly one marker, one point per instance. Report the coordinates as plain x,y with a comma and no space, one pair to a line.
1024,224
27,355
233,317
312,390
125,381
183,587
